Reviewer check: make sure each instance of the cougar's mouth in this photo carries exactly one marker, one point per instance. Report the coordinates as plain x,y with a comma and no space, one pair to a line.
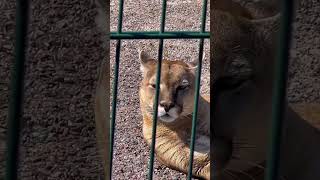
167,118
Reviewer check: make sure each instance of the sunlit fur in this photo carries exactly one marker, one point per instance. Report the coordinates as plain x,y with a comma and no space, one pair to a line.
173,134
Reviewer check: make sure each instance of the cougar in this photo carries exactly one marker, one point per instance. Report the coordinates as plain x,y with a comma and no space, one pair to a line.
177,89
243,48
241,122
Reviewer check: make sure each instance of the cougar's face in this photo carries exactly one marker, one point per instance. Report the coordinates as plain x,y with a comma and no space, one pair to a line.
241,95
176,89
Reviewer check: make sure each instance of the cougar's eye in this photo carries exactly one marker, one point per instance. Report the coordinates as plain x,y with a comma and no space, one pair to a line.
230,83
184,82
184,85
153,86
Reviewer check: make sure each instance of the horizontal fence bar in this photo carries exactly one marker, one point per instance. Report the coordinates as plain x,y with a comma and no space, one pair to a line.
159,35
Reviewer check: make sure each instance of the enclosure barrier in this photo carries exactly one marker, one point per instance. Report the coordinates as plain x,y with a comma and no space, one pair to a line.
16,92
16,96
279,91
161,35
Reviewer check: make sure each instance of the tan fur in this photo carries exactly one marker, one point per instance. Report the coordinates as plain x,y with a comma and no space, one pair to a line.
102,115
167,133
172,144
102,94
309,112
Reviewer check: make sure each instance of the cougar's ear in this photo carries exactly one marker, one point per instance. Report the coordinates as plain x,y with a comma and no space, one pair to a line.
145,61
193,66
231,7
268,27
250,10
269,23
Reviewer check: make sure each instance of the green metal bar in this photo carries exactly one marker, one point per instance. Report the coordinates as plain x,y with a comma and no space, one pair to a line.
114,103
197,87
156,100
279,91
16,97
115,87
159,35
120,17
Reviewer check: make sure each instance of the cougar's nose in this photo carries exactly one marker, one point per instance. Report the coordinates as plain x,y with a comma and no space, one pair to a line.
167,105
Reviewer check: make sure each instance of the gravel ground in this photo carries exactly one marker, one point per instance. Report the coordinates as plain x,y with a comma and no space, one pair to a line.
304,71
58,138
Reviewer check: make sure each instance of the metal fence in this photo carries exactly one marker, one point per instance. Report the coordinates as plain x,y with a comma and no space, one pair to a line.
161,35
16,95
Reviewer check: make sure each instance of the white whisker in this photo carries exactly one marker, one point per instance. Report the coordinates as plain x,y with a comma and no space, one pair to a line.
244,173
231,174
249,162
253,164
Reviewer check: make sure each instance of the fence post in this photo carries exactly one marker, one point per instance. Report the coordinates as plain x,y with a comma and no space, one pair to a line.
279,91
16,96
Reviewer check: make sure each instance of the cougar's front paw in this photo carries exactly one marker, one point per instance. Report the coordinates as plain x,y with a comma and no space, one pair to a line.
206,171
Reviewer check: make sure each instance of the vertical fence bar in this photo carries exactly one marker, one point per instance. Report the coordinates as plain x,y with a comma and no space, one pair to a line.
197,88
156,100
115,86
16,96
279,91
